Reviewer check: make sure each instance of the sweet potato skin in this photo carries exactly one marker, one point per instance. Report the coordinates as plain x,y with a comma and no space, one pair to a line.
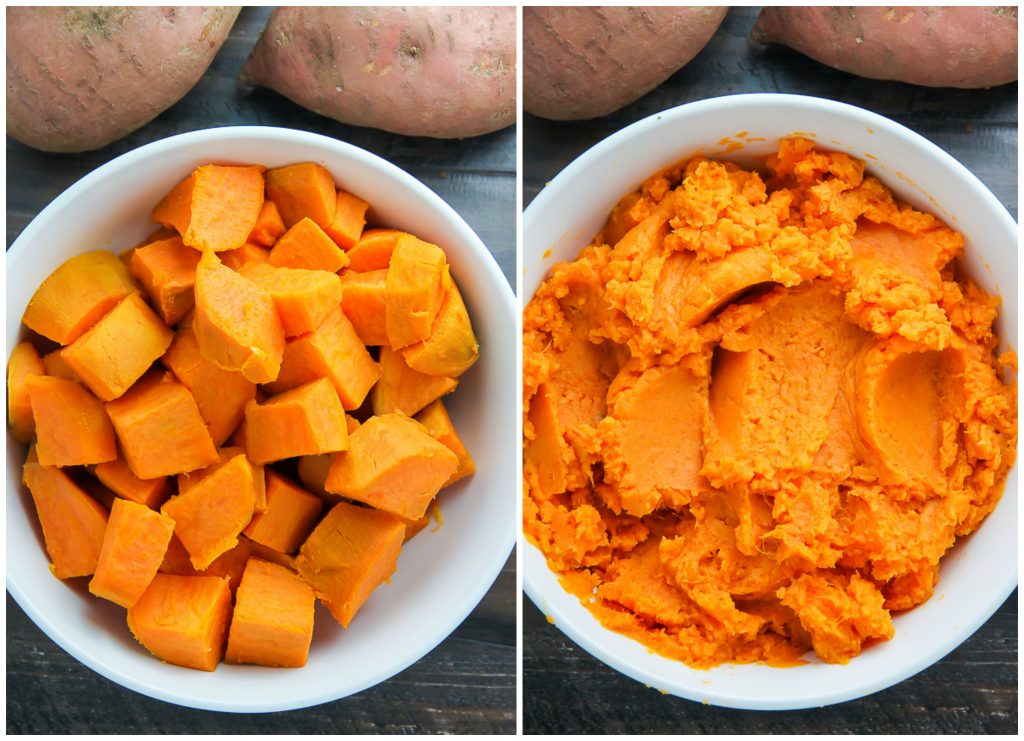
443,72
963,47
79,78
586,62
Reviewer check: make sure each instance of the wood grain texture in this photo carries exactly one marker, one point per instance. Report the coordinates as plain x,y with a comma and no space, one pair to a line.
466,684
974,689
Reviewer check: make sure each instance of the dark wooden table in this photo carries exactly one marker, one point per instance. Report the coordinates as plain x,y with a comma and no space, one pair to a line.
467,684
974,689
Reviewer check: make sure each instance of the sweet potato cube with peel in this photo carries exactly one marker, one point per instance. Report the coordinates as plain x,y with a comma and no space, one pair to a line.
183,620
451,348
244,255
333,351
307,246
402,389
116,351
349,219
272,624
304,298
269,226
167,270
118,477
289,517
215,208
392,464
134,545
348,555
435,418
72,427
415,290
24,362
307,420
210,515
305,190
235,322
221,395
363,299
373,250
160,429
73,522
75,295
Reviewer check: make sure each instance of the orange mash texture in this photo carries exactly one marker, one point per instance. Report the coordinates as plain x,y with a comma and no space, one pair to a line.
759,408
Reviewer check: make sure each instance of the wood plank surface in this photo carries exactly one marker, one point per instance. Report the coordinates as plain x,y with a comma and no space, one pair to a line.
467,684
974,689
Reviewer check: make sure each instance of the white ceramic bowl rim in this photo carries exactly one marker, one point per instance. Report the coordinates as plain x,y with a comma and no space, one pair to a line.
493,554
622,653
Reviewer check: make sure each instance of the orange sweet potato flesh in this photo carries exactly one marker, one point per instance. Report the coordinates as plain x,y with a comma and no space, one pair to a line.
288,518
215,208
241,256
116,351
349,219
303,298
118,477
306,245
364,301
305,190
183,620
75,295
142,418
415,290
333,351
188,480
219,394
72,427
55,365
134,544
393,464
435,418
167,270
73,523
269,225
210,515
451,348
24,362
348,555
272,623
402,389
236,323
307,420
373,250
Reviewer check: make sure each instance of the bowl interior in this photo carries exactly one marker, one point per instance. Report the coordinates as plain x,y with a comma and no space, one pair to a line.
442,573
744,128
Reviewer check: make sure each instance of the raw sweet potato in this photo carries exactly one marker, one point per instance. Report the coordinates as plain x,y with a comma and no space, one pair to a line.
134,544
24,362
79,78
183,620
585,62
445,72
964,47
72,427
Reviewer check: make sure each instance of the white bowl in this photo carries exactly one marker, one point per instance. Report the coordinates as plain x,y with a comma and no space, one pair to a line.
977,575
441,575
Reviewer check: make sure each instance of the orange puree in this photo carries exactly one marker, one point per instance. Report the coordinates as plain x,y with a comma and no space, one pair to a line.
758,409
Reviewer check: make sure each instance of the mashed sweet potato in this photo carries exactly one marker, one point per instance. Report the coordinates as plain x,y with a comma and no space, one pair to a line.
758,409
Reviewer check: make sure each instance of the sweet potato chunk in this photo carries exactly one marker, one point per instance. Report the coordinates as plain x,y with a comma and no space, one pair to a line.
55,365
350,552
402,389
364,301
73,522
72,428
303,298
142,418
373,250
269,226
75,295
236,323
349,219
183,620
392,464
307,420
118,477
451,347
308,246
272,624
215,208
244,255
115,352
134,544
167,270
302,191
24,362
289,517
435,418
415,290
